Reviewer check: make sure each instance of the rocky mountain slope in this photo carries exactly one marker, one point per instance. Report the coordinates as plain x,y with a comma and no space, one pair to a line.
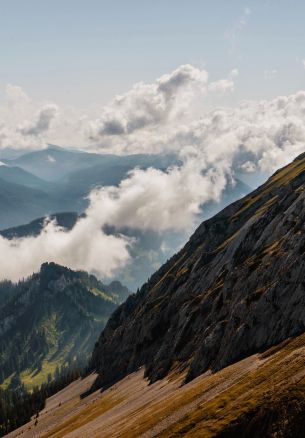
51,319
237,287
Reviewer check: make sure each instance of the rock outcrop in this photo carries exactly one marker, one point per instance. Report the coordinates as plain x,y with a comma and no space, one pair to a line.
237,287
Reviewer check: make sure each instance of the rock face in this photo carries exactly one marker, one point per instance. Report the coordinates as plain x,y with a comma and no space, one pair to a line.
237,287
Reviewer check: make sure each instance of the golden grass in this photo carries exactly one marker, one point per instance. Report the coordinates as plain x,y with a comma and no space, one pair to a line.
201,408
280,178
86,415
273,376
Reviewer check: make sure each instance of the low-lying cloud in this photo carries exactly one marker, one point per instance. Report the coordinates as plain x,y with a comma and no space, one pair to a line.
85,247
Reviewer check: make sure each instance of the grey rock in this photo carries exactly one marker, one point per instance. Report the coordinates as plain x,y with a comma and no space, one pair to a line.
237,287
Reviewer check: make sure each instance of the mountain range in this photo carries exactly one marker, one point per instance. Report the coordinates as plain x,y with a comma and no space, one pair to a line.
55,181
213,344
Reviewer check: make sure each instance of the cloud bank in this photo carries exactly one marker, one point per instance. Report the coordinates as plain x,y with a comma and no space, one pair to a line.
168,115
85,247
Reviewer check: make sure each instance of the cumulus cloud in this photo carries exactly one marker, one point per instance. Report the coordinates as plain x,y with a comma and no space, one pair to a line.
24,123
148,105
42,123
158,200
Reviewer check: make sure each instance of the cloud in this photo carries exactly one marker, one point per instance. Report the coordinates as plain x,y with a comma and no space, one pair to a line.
160,200
42,123
15,93
147,105
146,108
24,123
85,247
168,115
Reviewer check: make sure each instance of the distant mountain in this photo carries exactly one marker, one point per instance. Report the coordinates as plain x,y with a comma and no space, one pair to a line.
65,220
75,176
51,319
20,204
53,163
11,153
16,175
148,251
65,177
234,289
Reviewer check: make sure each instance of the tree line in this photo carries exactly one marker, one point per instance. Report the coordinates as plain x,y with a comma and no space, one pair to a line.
18,405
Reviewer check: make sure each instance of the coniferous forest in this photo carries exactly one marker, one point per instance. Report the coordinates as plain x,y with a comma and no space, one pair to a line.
18,405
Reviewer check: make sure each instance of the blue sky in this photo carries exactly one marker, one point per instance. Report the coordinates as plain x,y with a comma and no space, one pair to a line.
77,52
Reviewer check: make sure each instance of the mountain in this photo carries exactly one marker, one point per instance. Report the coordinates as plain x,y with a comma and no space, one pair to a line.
20,204
236,288
16,175
213,345
148,250
62,179
262,396
65,220
51,319
53,162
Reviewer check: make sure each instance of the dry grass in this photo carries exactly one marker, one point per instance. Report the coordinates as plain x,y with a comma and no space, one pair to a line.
94,410
285,366
167,408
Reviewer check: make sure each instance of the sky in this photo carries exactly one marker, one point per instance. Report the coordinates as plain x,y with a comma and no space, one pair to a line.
218,84
83,52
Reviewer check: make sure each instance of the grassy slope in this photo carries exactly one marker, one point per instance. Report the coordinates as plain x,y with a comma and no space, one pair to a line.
265,387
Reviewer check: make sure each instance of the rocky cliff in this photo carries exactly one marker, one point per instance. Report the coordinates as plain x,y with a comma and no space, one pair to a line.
237,287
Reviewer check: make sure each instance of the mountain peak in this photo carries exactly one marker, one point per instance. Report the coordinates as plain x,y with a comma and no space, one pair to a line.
52,318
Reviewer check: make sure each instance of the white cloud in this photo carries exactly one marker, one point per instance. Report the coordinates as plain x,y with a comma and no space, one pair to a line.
16,94
157,200
162,117
23,123
148,105
86,247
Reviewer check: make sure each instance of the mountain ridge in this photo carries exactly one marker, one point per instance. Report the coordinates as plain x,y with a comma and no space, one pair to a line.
51,319
228,293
